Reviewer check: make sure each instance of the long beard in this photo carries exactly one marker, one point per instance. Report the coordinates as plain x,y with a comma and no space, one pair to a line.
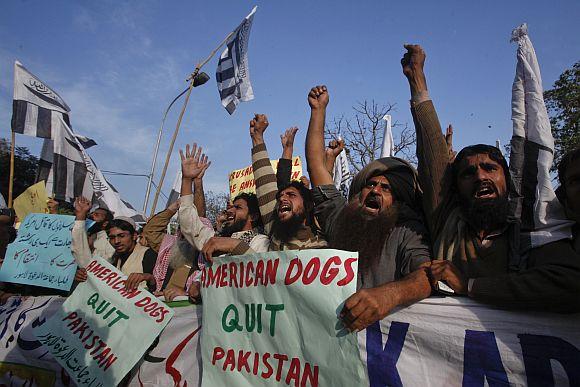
356,231
237,226
285,231
181,254
487,214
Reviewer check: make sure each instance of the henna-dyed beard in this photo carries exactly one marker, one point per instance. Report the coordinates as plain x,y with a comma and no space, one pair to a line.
356,231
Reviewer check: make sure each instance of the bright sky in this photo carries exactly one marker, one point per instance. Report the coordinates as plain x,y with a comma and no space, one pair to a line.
119,64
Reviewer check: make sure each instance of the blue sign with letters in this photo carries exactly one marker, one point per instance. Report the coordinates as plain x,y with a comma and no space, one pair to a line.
41,254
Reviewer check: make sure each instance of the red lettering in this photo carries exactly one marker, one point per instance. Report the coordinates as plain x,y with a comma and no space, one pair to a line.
290,279
230,360
71,316
311,271
233,274
349,272
218,353
144,301
308,374
267,374
259,273
271,271
223,280
243,360
293,372
249,269
281,359
328,275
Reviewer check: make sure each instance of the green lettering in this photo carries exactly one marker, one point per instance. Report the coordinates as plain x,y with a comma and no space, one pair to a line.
233,323
273,308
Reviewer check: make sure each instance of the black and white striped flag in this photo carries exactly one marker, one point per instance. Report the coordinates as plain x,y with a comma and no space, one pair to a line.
36,108
70,172
233,75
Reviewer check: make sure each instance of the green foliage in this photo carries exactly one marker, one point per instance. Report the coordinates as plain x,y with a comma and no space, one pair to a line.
25,168
563,104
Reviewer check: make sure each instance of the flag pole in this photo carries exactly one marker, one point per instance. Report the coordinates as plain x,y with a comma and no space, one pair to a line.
155,153
11,181
174,137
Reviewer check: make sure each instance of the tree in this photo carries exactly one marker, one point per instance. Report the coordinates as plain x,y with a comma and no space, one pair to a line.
25,168
563,104
215,202
363,134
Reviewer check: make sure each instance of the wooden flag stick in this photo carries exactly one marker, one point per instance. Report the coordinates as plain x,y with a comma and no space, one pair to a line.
11,181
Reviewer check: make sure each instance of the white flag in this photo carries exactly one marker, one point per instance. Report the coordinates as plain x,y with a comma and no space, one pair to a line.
233,73
532,153
342,175
388,149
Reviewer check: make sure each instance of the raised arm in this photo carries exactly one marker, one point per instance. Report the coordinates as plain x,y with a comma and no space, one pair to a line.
156,226
331,153
192,165
80,244
266,187
198,194
284,170
315,159
432,151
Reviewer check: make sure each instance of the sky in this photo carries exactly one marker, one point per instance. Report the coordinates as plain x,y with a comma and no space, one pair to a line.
118,65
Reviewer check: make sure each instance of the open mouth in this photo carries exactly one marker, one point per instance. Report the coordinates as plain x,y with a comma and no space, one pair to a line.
372,205
485,191
284,208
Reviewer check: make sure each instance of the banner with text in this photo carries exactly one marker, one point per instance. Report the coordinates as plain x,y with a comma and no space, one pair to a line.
102,330
242,180
41,254
272,317
435,342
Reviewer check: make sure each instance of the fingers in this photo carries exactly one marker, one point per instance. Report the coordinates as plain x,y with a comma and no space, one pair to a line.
317,91
186,151
181,155
194,293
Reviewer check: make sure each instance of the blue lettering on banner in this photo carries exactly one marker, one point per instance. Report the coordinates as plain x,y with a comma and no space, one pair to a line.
481,360
382,363
538,350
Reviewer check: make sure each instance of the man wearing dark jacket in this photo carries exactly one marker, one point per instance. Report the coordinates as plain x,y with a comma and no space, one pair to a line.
465,205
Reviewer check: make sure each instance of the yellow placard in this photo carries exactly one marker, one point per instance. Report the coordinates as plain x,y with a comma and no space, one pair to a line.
33,200
242,180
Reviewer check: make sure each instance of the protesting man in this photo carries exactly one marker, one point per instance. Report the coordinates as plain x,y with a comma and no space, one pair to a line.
466,207
287,211
381,221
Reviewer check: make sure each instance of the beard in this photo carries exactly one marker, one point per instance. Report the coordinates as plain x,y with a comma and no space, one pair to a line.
236,226
485,214
285,231
357,231
181,254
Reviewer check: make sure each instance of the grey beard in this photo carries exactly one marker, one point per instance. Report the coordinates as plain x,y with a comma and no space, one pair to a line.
181,254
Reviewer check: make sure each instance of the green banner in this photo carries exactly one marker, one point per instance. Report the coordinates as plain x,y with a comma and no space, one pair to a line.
272,318
102,330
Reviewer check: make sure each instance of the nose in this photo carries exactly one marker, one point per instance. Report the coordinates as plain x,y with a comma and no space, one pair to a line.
376,189
481,174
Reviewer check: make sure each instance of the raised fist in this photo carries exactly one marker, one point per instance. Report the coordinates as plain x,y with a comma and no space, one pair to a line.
413,60
258,125
318,97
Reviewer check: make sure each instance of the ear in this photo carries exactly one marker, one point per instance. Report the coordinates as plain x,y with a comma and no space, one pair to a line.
135,236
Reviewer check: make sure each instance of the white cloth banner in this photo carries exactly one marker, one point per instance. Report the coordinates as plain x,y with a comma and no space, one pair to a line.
532,153
436,342
388,149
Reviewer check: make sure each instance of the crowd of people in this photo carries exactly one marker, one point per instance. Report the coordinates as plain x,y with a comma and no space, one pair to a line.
441,228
